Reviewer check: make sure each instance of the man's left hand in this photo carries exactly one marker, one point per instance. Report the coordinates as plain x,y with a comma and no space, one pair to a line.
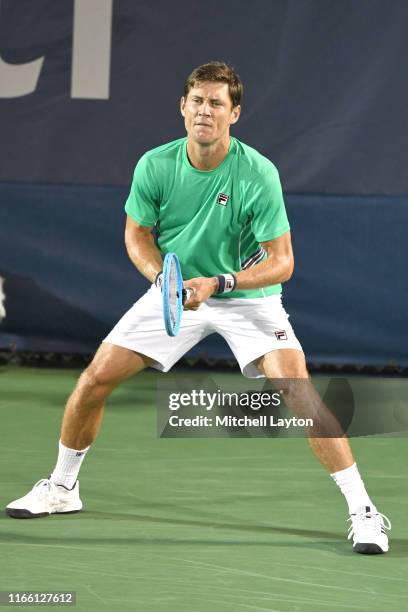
201,288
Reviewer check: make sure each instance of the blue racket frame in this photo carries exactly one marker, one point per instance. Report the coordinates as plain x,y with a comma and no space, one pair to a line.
171,329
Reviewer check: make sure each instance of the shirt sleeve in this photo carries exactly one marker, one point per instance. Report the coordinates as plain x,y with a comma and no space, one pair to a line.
268,213
143,201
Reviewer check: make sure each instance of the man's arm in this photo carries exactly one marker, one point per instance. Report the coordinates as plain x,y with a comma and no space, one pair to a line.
145,255
142,249
277,268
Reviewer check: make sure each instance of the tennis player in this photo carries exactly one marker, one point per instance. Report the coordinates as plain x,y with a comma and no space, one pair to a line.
218,204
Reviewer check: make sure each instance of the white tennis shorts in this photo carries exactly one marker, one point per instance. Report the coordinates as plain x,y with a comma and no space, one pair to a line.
252,327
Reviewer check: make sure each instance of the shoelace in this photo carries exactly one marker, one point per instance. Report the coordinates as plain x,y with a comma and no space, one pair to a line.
45,487
372,521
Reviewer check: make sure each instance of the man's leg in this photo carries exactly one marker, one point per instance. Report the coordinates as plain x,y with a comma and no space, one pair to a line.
84,409
333,452
82,418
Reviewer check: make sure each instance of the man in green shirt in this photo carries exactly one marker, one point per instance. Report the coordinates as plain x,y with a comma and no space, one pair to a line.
218,204
226,212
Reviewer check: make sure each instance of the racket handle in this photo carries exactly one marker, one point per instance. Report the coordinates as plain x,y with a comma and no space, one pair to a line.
186,295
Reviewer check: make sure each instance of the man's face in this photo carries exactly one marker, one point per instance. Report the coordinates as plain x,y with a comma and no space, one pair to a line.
208,112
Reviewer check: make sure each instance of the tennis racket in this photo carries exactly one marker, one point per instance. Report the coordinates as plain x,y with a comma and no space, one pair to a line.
174,295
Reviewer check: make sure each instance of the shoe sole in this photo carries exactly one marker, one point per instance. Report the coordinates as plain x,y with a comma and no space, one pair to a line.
368,549
26,514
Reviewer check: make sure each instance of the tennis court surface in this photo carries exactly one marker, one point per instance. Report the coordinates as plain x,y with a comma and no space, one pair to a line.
191,524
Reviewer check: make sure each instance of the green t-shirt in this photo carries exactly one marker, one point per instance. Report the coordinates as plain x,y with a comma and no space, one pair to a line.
214,220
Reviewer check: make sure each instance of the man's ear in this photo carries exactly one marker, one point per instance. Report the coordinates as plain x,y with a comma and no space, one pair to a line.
182,105
235,113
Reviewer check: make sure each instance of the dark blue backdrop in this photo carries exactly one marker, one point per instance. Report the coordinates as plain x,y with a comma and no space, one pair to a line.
68,277
325,99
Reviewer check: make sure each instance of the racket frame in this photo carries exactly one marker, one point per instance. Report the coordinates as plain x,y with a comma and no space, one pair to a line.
169,260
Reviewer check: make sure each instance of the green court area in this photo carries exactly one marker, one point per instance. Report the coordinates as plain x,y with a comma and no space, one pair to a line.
218,525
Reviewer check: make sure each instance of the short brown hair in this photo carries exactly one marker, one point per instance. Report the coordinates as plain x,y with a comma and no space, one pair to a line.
216,71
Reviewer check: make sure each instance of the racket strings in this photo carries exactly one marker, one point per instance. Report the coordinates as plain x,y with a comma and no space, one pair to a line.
173,293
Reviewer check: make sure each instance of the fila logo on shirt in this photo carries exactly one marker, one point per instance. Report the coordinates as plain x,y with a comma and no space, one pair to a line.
281,335
222,199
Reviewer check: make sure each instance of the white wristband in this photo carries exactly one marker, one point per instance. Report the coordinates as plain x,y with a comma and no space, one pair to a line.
226,283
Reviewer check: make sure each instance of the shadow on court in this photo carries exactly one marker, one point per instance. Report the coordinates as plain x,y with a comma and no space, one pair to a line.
330,542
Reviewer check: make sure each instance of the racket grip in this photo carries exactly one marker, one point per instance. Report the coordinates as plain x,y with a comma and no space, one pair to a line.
186,295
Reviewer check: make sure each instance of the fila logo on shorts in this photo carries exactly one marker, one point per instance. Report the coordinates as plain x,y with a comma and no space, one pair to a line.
281,335
222,199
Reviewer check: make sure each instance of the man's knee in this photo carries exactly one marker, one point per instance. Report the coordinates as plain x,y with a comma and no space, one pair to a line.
96,382
295,366
110,366
284,363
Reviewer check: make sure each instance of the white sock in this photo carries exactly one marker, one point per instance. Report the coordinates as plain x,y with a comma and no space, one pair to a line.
351,485
69,462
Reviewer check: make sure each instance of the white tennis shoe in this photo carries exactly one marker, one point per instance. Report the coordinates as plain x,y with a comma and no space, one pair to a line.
368,531
46,498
